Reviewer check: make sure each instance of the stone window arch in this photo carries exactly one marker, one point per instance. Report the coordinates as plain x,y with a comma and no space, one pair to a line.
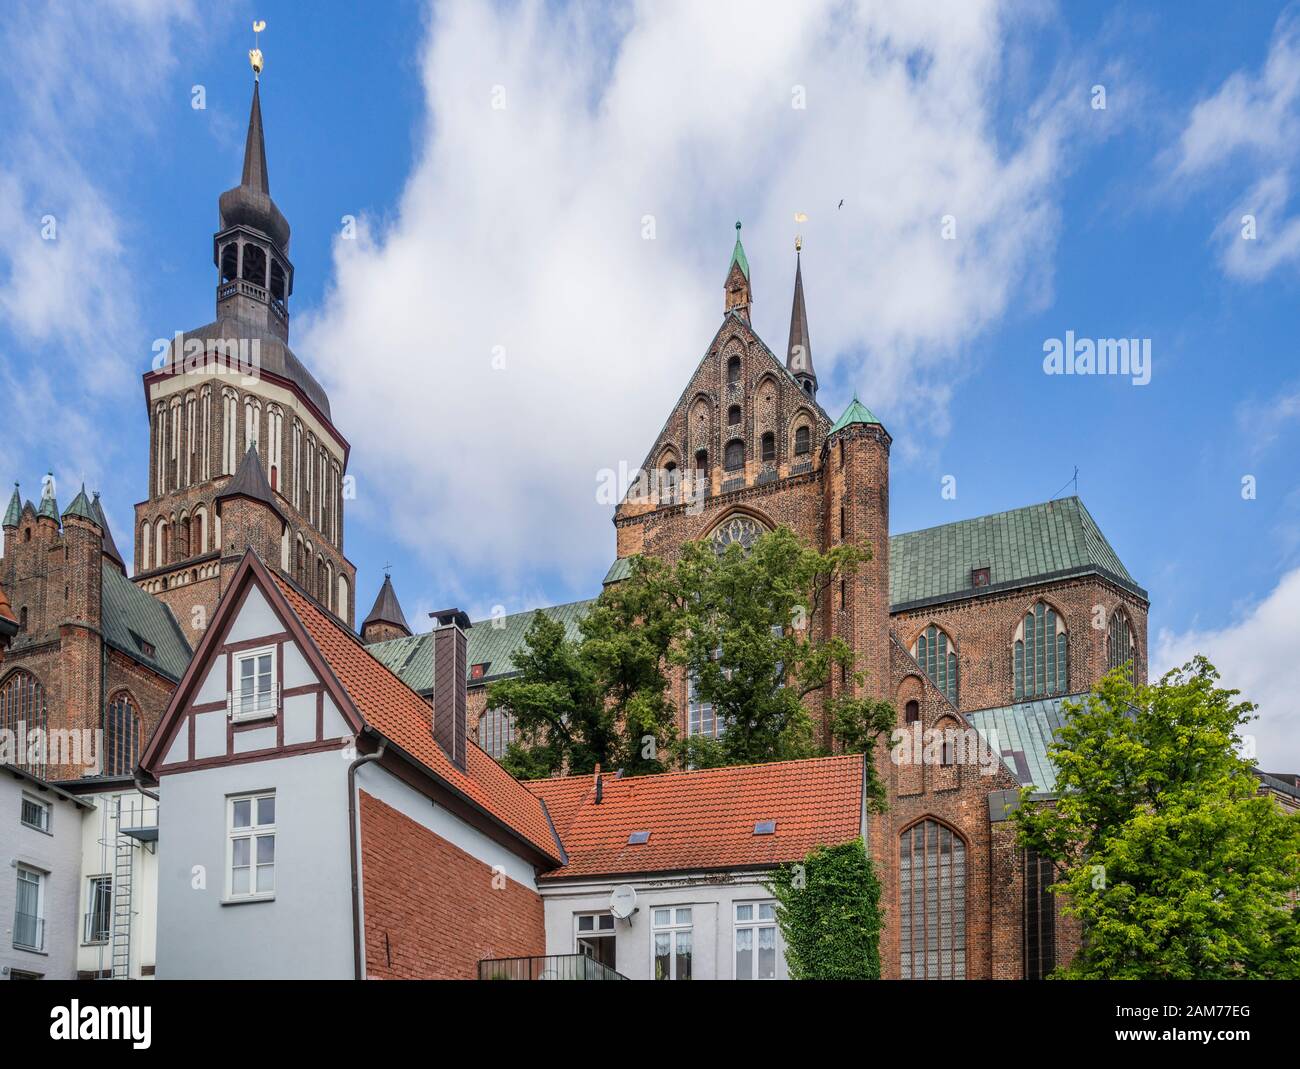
733,370
936,653
912,712
122,726
184,528
146,546
163,554
23,710
229,429
802,440
932,902
1040,654
342,607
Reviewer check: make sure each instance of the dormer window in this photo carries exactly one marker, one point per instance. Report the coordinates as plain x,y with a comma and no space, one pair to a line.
979,577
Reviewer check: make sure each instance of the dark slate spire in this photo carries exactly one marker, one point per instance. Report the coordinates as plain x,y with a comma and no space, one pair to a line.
250,481
249,203
387,610
798,354
15,509
255,177
110,547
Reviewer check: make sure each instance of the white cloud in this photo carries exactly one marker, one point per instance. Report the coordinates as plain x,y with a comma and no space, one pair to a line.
1256,654
1253,120
80,78
521,228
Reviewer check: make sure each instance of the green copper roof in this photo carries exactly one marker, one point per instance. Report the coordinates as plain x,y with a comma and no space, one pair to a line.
1035,543
618,571
49,506
857,412
738,255
1021,734
82,507
15,509
142,627
491,642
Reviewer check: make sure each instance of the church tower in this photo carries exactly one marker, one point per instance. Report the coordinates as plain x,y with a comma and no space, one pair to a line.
243,449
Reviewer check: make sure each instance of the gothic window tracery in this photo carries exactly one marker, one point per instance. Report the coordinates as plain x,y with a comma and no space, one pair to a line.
739,529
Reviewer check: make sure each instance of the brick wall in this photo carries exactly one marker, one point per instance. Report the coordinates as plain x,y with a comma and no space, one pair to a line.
431,910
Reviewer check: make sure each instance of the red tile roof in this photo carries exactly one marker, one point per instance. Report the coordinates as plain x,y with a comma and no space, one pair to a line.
6,610
401,715
704,819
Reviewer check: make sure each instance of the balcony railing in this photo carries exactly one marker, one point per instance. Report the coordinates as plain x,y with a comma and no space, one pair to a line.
547,967
29,931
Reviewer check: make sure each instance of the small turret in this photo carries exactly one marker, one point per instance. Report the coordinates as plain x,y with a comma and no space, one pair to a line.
739,296
386,620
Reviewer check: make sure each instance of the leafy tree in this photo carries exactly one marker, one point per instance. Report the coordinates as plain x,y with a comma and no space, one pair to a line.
602,699
1164,848
744,638
828,910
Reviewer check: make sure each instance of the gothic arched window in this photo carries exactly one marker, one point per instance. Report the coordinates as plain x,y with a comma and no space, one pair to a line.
937,656
802,441
932,903
230,262
1119,644
733,371
121,736
702,460
734,457
912,712
769,446
733,416
22,711
1040,659
496,731
343,597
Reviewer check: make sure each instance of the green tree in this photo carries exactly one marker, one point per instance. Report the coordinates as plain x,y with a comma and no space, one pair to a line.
744,638
1164,848
602,699
828,910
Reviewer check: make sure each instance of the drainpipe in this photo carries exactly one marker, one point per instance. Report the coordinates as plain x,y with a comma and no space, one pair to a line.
364,759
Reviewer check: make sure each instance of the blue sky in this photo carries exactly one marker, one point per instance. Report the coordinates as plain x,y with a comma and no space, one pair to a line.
523,229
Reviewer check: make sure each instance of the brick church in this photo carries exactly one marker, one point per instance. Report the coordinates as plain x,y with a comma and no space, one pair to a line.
987,623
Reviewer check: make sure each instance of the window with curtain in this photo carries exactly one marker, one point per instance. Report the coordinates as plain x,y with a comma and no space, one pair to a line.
932,903
937,656
1040,654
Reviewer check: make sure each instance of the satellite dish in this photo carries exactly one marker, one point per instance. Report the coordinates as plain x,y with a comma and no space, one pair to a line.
622,901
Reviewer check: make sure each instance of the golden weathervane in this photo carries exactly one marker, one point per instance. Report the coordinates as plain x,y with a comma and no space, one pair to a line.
255,53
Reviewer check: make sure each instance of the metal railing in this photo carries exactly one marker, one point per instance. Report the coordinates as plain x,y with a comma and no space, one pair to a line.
29,931
547,967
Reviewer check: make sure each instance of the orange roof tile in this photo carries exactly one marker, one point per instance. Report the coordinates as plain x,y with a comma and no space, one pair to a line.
397,712
6,610
704,819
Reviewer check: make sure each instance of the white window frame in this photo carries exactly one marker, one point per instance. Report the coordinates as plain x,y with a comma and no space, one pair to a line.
675,928
45,807
260,711
41,877
88,934
754,924
253,831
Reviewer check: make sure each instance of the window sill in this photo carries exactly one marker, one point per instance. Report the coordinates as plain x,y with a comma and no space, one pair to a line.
31,950
247,900
248,718
33,827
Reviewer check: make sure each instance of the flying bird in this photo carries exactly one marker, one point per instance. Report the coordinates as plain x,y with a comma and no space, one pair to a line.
840,204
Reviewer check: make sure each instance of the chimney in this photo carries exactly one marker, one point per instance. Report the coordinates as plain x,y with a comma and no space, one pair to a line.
449,668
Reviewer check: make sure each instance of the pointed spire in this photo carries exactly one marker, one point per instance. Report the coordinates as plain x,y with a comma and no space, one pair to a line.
798,357
738,257
386,609
738,294
255,176
15,509
110,547
857,412
249,481
49,506
81,507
